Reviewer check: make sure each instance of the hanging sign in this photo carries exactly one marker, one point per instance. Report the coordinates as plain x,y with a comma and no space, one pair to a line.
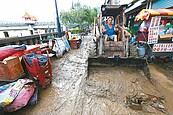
154,30
153,35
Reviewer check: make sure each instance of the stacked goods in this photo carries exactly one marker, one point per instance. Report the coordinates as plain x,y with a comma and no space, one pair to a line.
10,50
10,69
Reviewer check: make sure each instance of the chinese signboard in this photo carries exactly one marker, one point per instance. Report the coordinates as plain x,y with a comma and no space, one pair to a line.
153,35
165,47
153,30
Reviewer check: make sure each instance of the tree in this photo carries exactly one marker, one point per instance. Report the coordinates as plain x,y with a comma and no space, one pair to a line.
82,15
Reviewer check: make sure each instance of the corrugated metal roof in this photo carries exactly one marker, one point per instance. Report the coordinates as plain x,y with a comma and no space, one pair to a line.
162,4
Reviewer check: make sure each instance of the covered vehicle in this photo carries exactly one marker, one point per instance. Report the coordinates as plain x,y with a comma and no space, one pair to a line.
159,29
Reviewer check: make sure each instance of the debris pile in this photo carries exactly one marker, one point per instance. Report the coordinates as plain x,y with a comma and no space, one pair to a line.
139,100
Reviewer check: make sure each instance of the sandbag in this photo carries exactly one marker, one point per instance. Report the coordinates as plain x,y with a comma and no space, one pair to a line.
67,45
59,47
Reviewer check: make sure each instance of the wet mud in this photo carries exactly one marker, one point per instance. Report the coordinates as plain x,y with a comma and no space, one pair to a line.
106,88
77,90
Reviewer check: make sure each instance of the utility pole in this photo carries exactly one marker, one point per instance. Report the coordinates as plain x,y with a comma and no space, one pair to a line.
57,20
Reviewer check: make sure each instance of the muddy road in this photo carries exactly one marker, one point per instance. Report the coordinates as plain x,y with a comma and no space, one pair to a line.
77,90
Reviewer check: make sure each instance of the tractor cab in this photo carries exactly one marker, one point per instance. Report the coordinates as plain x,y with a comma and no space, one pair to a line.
114,45
114,52
112,14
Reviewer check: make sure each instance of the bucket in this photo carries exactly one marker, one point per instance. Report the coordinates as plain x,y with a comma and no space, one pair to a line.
73,44
141,51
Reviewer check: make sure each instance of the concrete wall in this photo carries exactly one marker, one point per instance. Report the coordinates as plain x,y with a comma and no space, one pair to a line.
28,40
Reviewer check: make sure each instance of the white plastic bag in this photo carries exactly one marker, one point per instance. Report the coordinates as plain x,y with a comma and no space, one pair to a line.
59,47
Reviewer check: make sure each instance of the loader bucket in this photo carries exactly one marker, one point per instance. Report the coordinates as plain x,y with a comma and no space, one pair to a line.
137,63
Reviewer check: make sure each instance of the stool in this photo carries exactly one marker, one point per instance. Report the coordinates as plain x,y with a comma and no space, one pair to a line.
41,73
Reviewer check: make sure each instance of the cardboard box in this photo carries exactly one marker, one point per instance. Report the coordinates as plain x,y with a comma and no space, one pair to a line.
10,69
165,36
74,44
4,74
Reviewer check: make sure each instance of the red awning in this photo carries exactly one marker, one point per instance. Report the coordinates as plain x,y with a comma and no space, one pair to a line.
146,13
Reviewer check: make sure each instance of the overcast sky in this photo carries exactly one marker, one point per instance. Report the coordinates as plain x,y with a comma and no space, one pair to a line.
44,10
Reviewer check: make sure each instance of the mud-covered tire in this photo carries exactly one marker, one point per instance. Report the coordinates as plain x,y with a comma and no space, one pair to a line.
94,51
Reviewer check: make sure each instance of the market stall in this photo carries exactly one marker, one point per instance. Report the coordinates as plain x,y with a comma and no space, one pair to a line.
159,26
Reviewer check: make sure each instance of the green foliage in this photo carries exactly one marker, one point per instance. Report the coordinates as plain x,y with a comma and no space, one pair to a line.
82,15
133,30
76,31
50,37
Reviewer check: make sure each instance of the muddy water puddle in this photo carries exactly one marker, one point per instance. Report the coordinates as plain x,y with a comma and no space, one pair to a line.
107,87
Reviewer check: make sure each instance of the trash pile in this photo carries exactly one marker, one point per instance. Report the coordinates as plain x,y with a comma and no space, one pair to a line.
61,45
139,100
18,94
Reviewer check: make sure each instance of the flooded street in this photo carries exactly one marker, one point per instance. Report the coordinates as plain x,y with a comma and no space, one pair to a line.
79,90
